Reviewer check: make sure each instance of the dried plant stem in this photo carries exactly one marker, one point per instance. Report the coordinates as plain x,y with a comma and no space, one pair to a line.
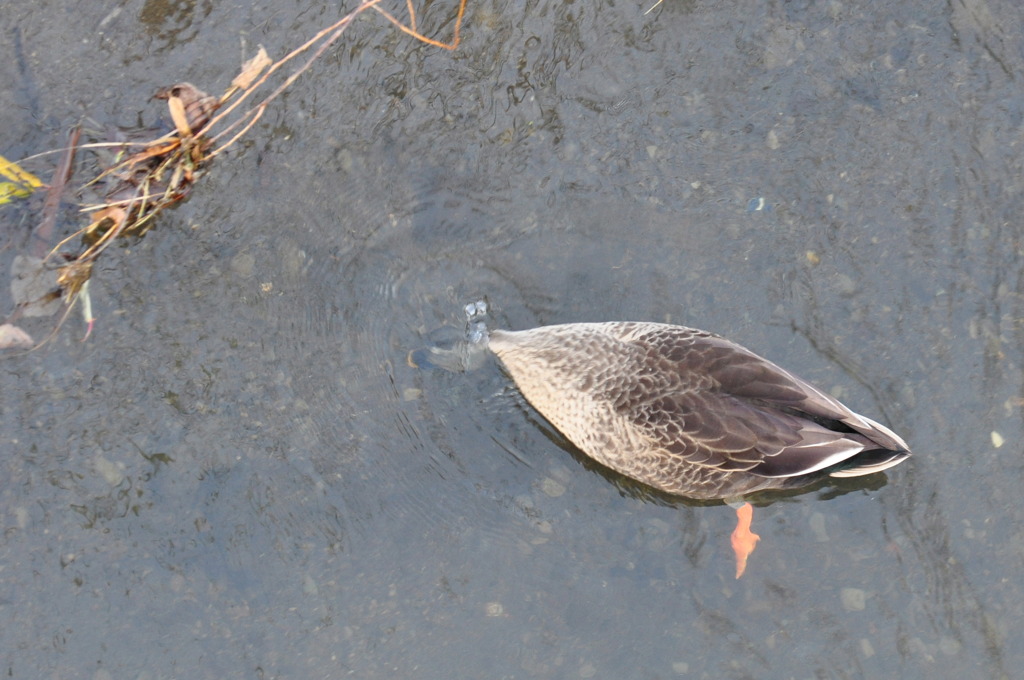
411,28
328,36
332,33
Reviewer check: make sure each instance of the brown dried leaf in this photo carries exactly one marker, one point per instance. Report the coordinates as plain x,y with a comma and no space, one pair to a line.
13,337
198,105
73,277
153,152
252,69
115,214
178,116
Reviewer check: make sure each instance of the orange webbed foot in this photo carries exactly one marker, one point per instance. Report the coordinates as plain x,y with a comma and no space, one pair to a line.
743,539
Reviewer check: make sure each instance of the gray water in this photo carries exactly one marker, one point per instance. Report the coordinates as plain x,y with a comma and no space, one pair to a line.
238,475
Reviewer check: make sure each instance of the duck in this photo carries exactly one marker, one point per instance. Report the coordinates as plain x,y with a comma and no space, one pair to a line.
689,412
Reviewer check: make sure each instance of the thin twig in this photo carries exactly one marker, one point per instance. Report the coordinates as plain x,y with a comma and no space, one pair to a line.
44,232
336,28
653,6
454,44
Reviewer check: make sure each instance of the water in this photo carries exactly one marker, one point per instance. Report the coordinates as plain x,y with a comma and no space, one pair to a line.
240,475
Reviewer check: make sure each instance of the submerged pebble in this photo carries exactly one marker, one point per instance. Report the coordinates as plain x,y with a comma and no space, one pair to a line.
853,599
111,472
552,488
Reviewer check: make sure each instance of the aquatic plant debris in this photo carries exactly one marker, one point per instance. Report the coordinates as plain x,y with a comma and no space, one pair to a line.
22,182
140,173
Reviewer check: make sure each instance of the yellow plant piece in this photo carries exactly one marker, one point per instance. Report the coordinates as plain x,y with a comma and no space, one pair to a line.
22,183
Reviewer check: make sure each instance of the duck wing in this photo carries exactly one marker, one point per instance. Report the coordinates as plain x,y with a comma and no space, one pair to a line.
717,404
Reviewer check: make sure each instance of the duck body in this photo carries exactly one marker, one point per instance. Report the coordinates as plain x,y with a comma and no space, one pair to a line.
689,412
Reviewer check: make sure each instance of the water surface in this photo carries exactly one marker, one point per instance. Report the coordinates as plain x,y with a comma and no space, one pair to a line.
239,475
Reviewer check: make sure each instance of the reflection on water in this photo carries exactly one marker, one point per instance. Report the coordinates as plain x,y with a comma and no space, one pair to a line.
241,471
